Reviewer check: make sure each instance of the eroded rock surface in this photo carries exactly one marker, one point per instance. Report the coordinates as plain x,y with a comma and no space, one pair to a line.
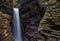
49,28
31,13
5,27
6,6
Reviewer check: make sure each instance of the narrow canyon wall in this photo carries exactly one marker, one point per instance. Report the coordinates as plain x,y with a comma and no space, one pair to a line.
49,28
40,19
5,27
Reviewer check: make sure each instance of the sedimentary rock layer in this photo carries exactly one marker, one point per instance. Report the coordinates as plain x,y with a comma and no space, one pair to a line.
5,27
49,28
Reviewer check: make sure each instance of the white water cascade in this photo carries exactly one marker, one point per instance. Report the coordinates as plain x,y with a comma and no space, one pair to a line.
16,25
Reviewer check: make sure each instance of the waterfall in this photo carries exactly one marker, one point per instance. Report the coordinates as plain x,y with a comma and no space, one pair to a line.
16,25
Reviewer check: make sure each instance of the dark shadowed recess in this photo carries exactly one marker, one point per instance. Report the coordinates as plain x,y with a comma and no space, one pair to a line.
6,6
58,0
31,12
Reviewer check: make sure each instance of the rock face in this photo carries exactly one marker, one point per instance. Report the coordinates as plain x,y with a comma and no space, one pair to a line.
49,28
5,28
31,13
40,20
5,20
6,6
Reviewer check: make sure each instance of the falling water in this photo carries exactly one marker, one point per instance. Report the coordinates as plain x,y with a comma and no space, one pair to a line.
16,26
